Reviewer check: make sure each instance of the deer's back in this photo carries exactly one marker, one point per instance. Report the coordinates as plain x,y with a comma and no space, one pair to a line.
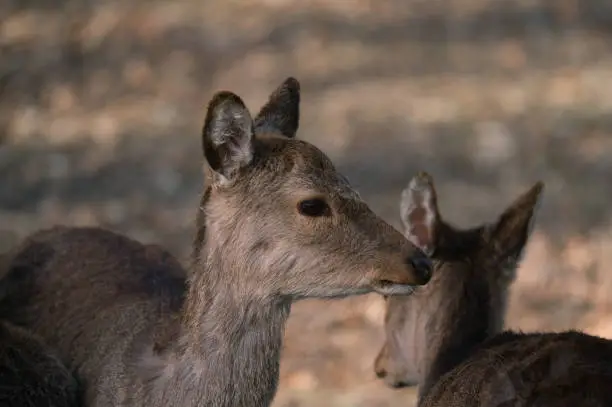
90,294
30,374
516,369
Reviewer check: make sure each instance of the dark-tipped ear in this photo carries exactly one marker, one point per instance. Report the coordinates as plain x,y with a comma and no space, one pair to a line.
510,233
227,137
419,212
282,112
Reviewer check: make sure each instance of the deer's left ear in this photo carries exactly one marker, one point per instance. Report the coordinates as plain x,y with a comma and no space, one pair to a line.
509,234
281,115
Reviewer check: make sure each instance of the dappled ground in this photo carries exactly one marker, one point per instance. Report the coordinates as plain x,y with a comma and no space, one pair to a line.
101,104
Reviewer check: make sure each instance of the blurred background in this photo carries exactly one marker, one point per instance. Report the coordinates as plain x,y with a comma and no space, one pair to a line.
101,105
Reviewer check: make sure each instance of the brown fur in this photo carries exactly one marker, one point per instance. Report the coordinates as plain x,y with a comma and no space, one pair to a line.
30,374
530,370
141,333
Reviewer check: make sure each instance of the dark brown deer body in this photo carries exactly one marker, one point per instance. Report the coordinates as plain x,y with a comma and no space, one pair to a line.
446,337
564,369
30,374
275,224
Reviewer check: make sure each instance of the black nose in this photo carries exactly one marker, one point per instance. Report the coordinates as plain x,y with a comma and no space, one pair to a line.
423,267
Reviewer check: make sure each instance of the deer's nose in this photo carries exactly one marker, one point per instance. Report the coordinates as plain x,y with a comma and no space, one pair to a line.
399,384
422,266
381,373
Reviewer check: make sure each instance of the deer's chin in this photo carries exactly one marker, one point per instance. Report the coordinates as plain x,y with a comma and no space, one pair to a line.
386,287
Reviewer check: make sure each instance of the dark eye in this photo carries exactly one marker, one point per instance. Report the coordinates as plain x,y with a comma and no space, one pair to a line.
314,207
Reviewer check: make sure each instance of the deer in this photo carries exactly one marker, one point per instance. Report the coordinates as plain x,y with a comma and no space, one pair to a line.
31,375
448,337
276,223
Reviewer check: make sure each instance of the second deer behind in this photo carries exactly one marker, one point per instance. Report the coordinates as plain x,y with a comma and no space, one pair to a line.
447,336
276,223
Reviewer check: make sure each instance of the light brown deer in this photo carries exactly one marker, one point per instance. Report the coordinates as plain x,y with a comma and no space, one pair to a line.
276,223
31,375
446,337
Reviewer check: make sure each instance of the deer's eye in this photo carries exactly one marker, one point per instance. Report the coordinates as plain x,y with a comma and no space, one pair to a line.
314,207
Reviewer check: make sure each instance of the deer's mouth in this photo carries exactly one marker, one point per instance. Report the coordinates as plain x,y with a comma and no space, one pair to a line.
387,287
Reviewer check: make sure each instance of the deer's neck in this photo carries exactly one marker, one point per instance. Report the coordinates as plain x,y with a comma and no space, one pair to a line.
465,318
228,352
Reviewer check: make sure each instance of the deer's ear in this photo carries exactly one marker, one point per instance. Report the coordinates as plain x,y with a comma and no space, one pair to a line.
281,114
419,212
227,136
509,234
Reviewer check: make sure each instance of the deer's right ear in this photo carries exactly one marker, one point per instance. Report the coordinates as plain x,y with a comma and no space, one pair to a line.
419,212
281,115
227,136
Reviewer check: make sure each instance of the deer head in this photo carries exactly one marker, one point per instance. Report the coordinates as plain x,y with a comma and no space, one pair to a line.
465,302
278,220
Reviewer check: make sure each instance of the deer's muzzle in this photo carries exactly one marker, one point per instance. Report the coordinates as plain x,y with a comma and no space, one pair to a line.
416,270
